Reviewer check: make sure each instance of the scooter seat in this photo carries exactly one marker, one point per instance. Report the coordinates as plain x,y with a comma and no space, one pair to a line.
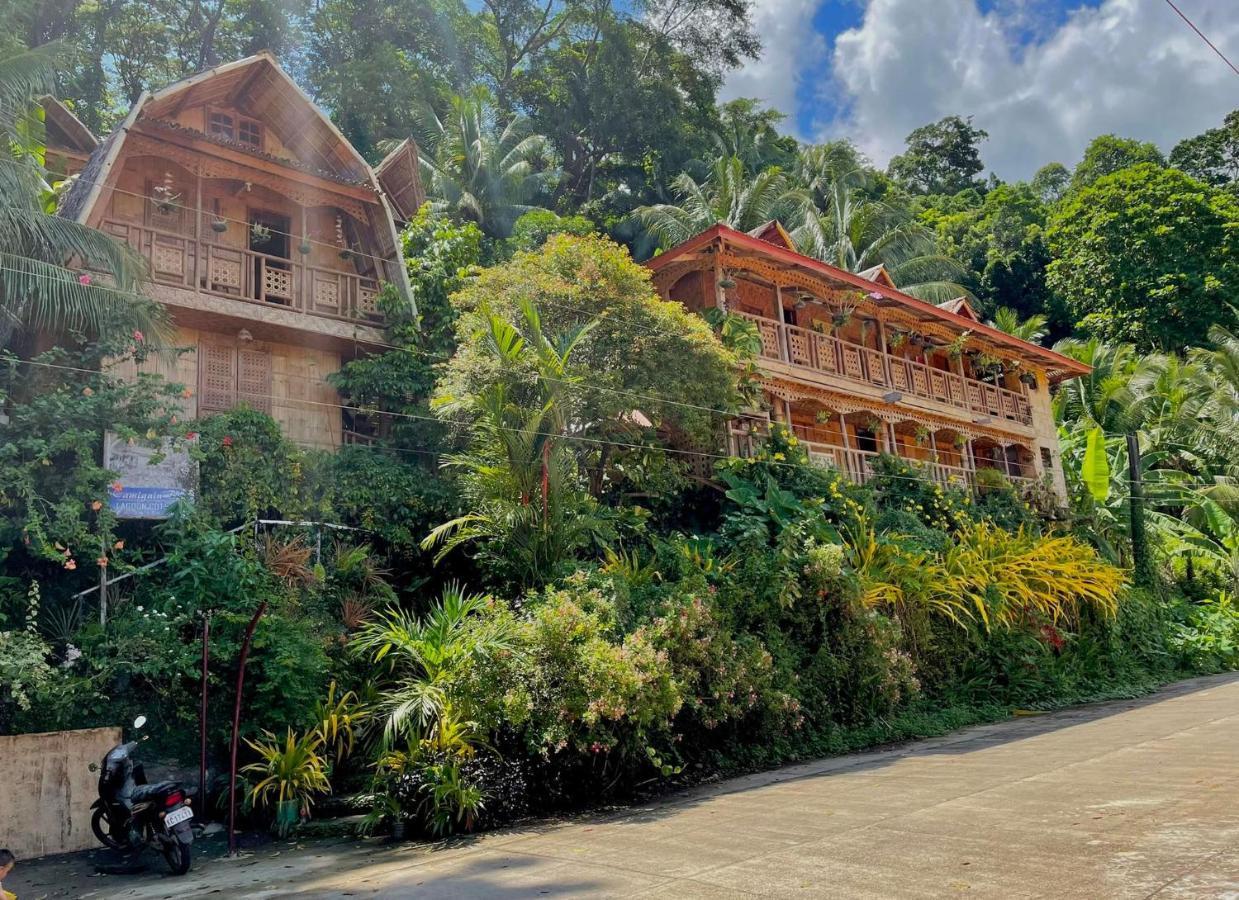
145,792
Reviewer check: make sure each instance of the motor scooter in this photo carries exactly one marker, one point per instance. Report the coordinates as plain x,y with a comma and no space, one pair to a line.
131,815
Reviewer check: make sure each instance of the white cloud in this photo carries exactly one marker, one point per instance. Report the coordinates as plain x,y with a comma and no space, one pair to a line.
791,48
1130,67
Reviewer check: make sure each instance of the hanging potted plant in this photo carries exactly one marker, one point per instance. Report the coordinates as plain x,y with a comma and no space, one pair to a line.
921,435
874,424
897,340
955,349
1029,379
726,282
164,195
304,247
842,317
260,233
960,441
916,339
218,225
988,366
822,416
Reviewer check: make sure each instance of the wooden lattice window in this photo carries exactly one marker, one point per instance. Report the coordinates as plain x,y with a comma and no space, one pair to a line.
221,125
254,379
250,132
217,377
228,376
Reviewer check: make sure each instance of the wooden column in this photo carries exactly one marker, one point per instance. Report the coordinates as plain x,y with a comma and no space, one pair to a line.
886,353
199,272
782,332
720,295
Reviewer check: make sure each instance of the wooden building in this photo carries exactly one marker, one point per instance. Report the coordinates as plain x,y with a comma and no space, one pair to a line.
856,368
268,236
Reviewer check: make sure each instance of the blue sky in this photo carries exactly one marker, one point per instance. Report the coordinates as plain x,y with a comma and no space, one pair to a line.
1042,76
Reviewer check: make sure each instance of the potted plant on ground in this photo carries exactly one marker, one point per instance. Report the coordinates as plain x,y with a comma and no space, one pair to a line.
291,771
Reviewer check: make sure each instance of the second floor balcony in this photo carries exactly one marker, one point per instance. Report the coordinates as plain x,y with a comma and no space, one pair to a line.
266,278
817,352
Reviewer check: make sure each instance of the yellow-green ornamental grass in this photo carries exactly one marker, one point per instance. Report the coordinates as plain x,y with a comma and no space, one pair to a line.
990,577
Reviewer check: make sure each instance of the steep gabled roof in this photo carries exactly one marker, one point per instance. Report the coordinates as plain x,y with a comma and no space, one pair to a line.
878,274
400,176
64,129
261,89
961,307
773,232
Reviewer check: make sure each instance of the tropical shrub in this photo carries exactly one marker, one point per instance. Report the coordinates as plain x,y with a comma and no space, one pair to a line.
290,773
1208,637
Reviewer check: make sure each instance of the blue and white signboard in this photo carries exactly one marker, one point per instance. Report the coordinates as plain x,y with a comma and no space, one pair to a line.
150,479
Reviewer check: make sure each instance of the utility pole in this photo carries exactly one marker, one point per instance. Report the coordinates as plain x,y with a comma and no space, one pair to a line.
1142,569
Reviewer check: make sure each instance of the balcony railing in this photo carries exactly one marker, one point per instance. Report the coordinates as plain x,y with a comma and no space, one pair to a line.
198,265
857,465
818,352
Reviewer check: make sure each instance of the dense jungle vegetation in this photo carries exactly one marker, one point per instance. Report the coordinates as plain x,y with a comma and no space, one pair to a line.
541,602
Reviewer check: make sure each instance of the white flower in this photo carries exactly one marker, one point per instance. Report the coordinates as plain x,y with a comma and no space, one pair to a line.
140,609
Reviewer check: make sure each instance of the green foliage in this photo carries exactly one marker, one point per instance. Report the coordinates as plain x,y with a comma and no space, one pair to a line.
388,390
54,510
1095,470
1211,157
24,672
640,355
1000,240
1146,255
289,771
533,229
37,291
1208,637
1108,154
480,171
942,158
248,469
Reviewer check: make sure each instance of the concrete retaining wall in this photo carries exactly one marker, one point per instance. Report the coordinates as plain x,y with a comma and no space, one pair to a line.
46,789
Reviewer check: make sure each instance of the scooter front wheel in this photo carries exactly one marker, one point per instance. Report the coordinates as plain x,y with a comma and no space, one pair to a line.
101,825
176,855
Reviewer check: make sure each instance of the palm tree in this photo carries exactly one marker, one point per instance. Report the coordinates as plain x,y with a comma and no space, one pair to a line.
420,659
1031,329
730,195
520,476
38,290
482,172
855,233
1103,397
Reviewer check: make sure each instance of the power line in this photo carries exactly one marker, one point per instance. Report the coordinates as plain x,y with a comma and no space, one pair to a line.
293,403
1201,34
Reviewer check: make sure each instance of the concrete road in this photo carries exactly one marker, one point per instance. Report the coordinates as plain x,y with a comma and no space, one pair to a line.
1129,799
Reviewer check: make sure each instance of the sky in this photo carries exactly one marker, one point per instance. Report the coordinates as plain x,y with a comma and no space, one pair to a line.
1043,77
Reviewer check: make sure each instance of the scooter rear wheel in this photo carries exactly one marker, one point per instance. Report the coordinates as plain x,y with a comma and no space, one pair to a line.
101,825
177,856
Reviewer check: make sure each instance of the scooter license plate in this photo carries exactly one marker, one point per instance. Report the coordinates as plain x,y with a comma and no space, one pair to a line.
177,816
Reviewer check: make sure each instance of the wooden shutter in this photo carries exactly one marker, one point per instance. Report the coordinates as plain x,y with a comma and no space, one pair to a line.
217,378
254,379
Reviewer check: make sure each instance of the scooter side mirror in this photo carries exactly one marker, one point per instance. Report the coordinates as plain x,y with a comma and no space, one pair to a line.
139,721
